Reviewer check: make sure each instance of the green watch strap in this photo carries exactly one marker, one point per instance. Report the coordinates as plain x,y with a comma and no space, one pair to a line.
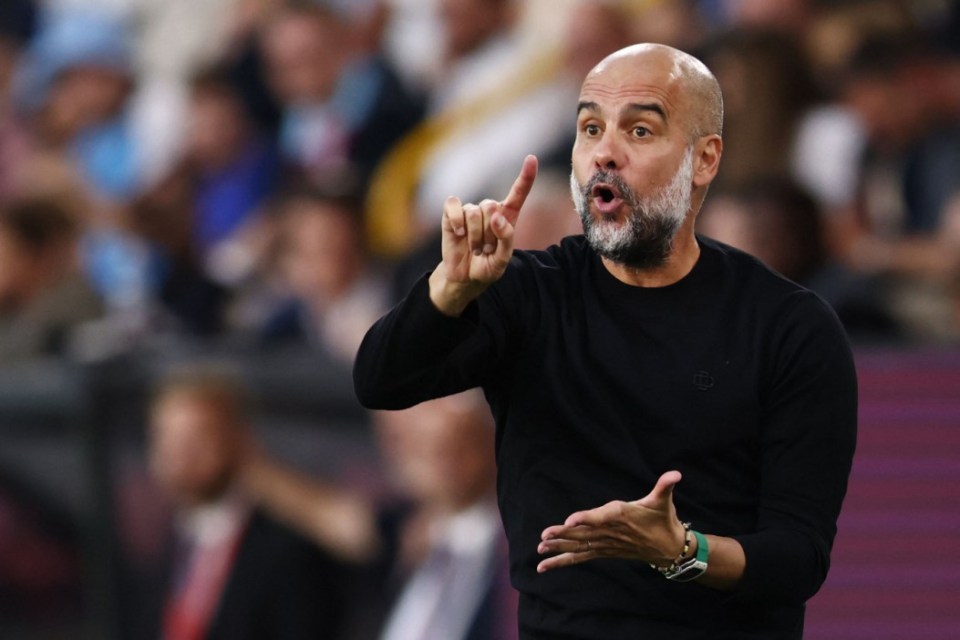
703,549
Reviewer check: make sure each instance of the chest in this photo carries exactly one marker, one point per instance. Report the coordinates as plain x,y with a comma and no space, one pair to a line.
678,383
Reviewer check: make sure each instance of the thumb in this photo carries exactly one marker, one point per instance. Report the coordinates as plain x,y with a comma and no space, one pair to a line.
662,493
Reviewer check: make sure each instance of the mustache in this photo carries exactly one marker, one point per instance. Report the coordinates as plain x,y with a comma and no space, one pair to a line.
603,176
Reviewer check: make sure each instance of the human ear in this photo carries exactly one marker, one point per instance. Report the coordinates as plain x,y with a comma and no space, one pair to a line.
706,159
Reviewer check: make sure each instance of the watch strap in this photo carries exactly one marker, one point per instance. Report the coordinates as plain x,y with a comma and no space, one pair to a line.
694,567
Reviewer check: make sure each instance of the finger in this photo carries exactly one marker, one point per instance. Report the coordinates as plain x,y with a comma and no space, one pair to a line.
592,544
489,208
453,217
474,219
503,231
565,560
520,189
564,531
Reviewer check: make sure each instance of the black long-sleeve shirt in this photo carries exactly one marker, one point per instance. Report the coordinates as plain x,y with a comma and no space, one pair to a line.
735,376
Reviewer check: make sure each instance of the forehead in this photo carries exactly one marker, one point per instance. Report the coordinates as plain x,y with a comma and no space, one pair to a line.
647,79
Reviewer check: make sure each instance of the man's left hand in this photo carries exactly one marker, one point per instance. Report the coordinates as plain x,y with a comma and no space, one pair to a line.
646,529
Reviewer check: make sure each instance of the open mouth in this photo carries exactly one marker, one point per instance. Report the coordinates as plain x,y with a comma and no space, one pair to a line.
605,193
606,198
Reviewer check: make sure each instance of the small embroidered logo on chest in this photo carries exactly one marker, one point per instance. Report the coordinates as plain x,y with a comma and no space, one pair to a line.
703,381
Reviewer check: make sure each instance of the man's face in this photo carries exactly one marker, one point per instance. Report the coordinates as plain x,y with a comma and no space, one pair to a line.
193,451
441,452
632,173
301,56
216,129
320,250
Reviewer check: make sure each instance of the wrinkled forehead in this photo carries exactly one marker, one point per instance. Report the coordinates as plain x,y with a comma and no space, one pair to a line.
648,74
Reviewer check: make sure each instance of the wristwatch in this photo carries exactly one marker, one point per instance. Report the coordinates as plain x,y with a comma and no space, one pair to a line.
694,567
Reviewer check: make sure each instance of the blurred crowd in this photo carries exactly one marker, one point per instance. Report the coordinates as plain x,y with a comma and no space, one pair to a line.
270,173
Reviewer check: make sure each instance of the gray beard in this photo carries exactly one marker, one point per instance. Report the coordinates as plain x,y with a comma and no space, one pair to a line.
645,239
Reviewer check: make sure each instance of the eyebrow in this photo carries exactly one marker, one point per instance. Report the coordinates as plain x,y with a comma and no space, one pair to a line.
636,107
651,107
588,106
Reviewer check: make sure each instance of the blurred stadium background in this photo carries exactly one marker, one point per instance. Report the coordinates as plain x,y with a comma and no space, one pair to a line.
252,182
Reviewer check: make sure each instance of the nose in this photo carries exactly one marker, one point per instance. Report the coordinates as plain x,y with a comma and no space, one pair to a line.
606,154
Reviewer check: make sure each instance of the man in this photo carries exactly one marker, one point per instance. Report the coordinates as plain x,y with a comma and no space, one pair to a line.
434,556
238,574
344,104
44,299
445,551
626,359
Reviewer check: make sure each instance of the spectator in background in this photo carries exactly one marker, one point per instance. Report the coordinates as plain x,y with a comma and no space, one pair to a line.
910,179
344,105
74,83
234,169
202,219
781,224
448,571
767,88
787,17
17,19
334,294
190,301
437,556
236,574
496,95
678,23
476,48
76,79
43,297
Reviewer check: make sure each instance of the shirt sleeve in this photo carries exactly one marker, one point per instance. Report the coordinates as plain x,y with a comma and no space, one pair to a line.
807,443
415,353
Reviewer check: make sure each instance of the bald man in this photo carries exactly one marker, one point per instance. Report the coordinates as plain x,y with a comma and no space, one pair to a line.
675,421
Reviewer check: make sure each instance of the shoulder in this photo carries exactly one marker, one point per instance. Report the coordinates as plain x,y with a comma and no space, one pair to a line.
768,288
780,310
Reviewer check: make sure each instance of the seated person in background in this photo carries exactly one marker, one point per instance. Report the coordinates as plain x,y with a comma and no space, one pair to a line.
779,222
344,105
438,555
234,168
905,229
237,574
333,295
43,296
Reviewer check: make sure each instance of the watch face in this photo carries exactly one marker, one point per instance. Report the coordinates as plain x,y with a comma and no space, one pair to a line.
689,570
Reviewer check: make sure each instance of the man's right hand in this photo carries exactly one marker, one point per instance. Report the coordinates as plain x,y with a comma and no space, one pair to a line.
477,243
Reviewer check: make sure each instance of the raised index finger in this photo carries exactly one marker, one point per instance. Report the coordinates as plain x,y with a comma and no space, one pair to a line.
520,190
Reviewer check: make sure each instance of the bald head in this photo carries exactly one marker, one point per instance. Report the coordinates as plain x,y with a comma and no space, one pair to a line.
694,86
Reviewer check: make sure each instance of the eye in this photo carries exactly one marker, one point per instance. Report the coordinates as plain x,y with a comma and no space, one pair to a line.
591,129
641,132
